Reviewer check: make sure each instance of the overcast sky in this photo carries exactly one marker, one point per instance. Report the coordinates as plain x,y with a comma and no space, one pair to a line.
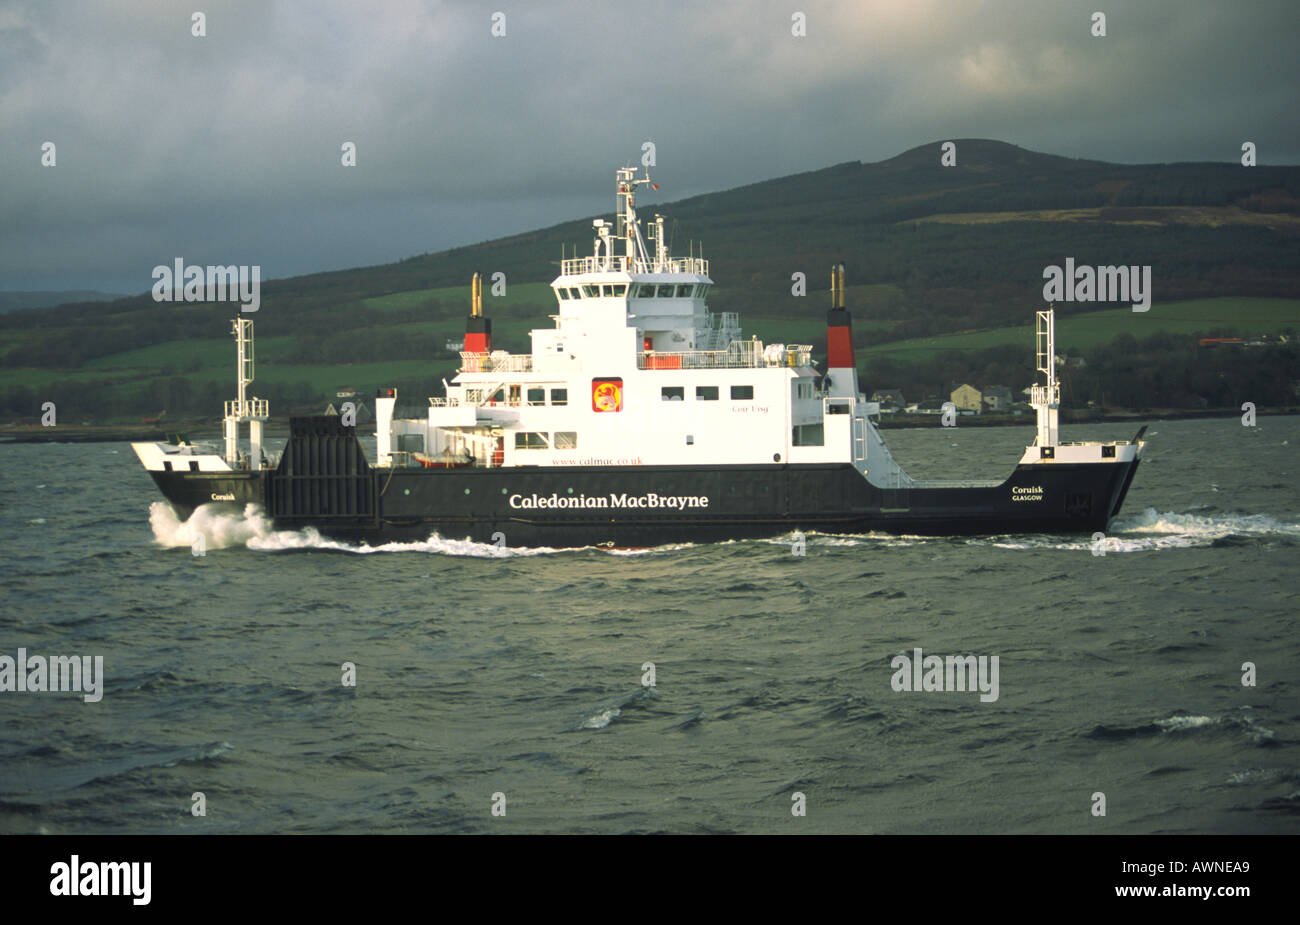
226,148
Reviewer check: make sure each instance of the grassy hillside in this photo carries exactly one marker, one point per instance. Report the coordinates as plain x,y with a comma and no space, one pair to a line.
931,252
1076,334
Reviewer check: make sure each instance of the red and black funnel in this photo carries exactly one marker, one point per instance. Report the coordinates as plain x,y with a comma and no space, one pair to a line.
839,326
478,330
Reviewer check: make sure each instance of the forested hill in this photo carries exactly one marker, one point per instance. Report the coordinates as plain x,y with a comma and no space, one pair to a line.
930,249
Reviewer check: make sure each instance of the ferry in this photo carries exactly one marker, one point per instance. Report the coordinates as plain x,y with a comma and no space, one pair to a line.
639,418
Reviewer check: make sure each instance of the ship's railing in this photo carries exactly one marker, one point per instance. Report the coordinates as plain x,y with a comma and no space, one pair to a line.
494,396
252,408
444,402
624,264
741,354
244,462
718,330
496,362
1038,395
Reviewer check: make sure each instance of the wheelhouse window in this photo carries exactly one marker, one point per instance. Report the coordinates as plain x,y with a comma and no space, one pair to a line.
591,292
559,396
620,290
575,292
607,290
665,292
673,393
531,440
537,396
706,393
742,393
684,292
566,440
645,292
563,293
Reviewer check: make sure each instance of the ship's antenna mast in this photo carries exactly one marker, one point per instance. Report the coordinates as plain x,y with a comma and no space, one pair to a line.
255,410
625,223
244,353
661,246
1046,399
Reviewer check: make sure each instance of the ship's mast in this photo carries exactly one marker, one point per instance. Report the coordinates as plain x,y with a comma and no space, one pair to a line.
626,226
1046,399
254,410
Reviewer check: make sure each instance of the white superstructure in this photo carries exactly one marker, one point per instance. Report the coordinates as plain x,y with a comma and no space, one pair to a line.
637,371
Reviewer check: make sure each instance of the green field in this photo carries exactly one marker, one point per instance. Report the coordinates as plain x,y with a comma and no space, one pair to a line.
1077,333
451,296
210,352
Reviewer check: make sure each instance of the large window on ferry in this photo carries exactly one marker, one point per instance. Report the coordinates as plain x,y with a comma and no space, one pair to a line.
530,440
684,292
566,440
706,393
575,292
742,392
673,393
537,396
564,293
607,290
665,292
620,290
645,292
591,292
559,396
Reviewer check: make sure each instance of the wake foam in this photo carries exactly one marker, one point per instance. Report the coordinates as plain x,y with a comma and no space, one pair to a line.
1141,532
222,529
1152,529
219,527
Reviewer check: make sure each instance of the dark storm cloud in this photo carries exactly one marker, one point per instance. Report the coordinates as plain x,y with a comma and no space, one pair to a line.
225,149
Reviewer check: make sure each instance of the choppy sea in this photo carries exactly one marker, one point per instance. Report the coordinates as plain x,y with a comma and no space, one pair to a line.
507,690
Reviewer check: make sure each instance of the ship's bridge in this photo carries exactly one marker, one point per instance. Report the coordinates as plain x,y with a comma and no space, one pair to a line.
664,301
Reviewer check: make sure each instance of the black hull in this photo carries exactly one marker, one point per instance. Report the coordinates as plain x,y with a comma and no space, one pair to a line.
650,505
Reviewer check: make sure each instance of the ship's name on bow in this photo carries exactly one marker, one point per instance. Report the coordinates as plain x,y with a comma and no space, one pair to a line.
1030,493
650,500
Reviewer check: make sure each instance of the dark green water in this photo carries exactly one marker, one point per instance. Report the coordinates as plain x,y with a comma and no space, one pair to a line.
483,671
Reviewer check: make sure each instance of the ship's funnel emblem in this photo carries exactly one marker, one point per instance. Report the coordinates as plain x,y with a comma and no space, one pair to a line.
607,394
